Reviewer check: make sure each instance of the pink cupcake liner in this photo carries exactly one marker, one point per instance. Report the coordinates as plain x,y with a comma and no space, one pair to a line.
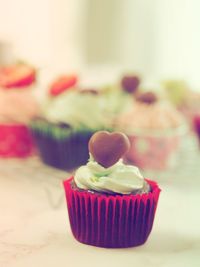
196,124
15,141
152,153
109,221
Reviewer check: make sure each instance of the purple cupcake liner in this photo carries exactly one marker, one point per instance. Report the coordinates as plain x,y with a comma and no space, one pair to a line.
65,153
111,221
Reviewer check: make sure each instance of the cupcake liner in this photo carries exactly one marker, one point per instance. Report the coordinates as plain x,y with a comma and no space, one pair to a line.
196,126
15,141
64,153
152,153
111,221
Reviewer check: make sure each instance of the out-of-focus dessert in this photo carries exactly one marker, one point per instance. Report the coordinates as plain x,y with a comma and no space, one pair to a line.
185,100
119,97
17,107
68,118
154,128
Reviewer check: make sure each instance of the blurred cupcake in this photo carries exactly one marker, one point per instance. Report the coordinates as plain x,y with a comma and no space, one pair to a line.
68,119
110,204
119,97
154,129
17,107
185,100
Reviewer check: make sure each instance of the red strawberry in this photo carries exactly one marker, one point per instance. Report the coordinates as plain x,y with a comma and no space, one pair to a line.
17,76
62,84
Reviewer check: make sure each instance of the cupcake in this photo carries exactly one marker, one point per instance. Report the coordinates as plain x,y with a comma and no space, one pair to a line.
119,97
109,203
154,129
185,100
68,118
17,107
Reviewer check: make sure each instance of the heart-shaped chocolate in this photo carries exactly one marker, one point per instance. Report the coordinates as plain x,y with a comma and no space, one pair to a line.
107,148
130,83
147,97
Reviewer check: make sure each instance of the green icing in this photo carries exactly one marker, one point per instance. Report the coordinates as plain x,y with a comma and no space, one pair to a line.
55,131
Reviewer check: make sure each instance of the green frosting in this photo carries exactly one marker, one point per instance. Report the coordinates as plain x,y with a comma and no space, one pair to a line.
176,91
119,178
117,100
43,127
79,110
82,112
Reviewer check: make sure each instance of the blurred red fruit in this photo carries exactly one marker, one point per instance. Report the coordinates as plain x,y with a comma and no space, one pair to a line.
20,75
62,84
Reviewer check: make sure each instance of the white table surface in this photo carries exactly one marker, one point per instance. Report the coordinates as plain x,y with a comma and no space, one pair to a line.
35,232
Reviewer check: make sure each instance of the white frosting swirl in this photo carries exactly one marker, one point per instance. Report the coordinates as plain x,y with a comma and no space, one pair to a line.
77,109
119,178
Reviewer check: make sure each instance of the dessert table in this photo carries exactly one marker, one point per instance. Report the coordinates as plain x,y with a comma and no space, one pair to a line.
34,227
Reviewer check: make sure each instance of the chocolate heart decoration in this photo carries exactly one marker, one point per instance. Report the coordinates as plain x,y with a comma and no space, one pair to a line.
130,84
147,98
107,148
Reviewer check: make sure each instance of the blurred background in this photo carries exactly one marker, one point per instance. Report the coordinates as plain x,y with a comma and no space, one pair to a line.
99,41
157,38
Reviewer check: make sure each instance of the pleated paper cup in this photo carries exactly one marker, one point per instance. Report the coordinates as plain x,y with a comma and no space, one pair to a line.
60,145
157,150
63,152
111,221
153,153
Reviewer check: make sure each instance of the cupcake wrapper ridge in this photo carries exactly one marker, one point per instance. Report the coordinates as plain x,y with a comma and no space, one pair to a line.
111,221
63,153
